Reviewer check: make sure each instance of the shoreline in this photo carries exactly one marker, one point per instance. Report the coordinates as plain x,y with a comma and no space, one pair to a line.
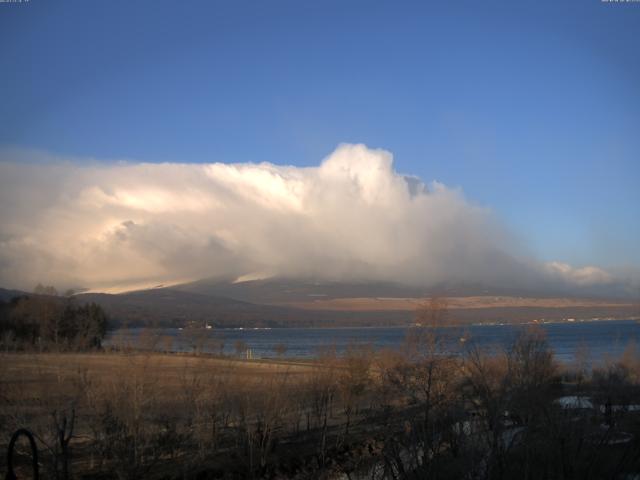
380,327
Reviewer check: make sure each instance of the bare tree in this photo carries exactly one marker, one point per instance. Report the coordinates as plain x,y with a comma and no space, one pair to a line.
433,312
240,347
280,349
353,380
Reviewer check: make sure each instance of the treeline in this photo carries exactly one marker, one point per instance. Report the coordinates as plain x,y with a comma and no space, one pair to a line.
48,322
415,413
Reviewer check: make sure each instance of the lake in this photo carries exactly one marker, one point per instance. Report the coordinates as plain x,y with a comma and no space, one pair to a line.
603,339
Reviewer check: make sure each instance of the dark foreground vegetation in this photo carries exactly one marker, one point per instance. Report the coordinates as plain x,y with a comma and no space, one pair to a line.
411,414
45,321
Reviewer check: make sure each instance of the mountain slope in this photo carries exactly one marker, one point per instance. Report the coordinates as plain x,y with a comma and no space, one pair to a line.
6,295
279,291
288,303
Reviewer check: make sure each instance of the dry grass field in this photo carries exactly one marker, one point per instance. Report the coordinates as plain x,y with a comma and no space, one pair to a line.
34,371
129,415
140,410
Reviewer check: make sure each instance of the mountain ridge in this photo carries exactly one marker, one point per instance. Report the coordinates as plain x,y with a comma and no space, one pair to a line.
289,303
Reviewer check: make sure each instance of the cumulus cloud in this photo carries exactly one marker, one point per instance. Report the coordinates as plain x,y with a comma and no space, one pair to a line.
353,217
585,276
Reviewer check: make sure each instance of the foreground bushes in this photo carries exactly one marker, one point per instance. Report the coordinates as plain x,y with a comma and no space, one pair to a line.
415,413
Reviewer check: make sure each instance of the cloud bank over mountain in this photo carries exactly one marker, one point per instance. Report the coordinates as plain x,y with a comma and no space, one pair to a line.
353,217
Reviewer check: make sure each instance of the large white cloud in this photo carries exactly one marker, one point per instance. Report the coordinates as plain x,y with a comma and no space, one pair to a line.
352,217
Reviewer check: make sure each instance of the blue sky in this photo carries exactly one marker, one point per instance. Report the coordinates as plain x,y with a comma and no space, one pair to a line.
533,109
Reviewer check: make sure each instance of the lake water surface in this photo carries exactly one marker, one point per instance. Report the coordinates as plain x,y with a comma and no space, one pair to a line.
602,339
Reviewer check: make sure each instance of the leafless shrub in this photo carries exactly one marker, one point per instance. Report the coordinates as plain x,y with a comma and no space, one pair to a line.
280,349
531,374
130,430
433,312
240,347
148,340
353,380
